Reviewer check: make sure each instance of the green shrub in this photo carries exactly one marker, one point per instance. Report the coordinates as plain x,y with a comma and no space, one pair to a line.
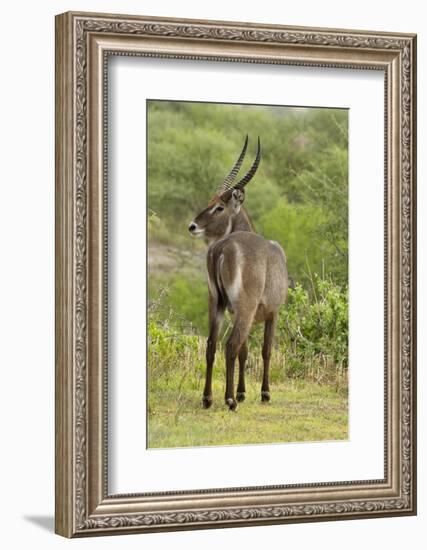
295,227
314,328
182,301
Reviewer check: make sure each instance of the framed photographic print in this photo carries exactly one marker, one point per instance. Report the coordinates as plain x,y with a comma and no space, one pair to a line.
235,274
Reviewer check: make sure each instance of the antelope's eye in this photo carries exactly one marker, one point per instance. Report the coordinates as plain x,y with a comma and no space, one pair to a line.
219,209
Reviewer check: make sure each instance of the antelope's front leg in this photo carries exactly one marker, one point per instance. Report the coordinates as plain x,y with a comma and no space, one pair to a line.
230,359
269,330
210,357
243,355
215,319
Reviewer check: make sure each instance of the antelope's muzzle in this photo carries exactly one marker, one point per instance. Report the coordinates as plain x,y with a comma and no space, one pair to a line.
195,230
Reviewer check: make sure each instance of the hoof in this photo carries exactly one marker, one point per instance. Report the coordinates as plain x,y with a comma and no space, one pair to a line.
207,401
240,396
265,396
231,403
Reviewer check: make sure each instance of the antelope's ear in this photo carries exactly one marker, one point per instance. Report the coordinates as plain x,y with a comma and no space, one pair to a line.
237,198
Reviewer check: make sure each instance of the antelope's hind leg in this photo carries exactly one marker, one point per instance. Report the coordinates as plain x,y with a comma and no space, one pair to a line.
237,339
216,315
243,355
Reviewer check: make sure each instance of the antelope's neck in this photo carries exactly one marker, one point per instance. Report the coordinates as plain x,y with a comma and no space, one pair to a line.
242,222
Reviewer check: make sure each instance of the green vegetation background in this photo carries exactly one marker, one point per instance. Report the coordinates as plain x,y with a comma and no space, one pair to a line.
299,197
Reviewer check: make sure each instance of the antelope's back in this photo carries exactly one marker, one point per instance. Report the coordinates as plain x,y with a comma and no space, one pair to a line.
246,268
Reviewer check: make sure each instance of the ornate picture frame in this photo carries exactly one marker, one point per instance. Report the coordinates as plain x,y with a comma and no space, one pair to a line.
84,506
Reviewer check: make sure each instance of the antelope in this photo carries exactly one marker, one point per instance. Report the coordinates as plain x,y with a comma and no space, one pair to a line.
247,275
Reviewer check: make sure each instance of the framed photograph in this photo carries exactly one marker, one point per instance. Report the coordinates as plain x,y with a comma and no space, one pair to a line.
235,274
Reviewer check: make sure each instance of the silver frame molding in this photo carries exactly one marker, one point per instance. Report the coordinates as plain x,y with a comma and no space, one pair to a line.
83,43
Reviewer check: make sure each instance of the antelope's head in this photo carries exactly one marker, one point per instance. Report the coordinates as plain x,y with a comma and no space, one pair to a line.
216,220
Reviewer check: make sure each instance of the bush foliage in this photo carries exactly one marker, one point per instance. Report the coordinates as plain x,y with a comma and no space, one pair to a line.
315,326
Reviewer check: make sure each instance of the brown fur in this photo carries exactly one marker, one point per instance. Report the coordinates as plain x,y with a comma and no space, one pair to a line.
247,274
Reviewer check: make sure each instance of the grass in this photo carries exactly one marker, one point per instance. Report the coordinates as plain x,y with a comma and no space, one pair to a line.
298,411
309,393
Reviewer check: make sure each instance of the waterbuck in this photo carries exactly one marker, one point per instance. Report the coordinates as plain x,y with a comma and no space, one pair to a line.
247,275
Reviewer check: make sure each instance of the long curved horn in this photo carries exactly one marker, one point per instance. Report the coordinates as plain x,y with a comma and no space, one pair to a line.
241,184
229,179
